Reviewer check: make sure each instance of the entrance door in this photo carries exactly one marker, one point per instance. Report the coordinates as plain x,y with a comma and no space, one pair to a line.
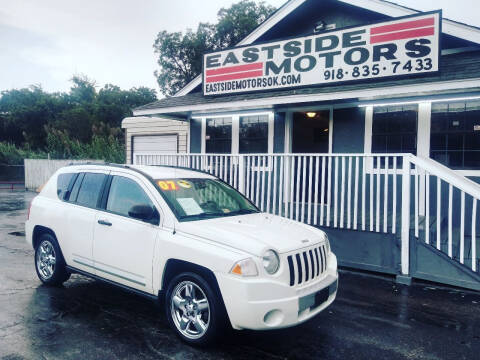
310,135
310,131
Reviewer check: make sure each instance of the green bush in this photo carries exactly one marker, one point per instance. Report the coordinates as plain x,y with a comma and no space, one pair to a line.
11,155
61,146
101,147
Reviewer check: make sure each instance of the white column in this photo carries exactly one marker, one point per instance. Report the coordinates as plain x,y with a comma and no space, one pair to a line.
423,147
235,134
405,233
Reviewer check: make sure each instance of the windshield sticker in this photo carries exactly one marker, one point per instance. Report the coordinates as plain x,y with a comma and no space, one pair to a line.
190,206
167,185
184,184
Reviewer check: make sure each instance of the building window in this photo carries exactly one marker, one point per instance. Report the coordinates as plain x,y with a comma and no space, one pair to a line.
455,134
218,135
394,129
253,134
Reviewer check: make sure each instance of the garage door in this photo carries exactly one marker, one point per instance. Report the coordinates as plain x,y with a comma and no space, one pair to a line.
146,147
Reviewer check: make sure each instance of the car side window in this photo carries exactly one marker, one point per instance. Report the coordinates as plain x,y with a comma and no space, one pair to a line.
90,189
124,194
63,184
75,188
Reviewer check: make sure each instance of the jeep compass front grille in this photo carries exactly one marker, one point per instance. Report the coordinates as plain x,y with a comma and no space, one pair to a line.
307,265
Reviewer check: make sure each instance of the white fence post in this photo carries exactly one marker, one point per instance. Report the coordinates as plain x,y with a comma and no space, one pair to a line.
241,174
405,233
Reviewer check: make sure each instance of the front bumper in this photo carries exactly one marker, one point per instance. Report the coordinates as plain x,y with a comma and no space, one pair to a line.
263,303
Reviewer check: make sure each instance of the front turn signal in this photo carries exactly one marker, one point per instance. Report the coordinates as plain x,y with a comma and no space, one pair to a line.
246,267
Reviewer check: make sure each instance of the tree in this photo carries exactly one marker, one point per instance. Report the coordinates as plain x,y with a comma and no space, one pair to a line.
180,54
25,112
81,123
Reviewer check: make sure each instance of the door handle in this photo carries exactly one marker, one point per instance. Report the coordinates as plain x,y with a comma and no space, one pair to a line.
105,222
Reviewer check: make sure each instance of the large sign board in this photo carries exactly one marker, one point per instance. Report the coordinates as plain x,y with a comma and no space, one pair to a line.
404,46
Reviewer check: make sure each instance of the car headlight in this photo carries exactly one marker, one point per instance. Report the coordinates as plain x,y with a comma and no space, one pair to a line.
271,261
246,267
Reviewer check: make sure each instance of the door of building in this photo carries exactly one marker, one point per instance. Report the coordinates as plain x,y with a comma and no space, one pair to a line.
310,131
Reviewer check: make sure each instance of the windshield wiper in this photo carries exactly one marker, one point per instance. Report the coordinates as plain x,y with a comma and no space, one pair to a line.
243,212
204,215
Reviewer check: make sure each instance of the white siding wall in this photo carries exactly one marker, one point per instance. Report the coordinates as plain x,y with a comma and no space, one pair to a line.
136,126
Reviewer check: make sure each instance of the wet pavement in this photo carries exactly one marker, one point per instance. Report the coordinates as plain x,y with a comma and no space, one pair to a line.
372,318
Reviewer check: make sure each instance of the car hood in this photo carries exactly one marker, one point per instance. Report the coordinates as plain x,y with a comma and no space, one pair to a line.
255,233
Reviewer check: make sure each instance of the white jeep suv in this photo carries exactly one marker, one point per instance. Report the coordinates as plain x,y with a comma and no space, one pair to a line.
186,236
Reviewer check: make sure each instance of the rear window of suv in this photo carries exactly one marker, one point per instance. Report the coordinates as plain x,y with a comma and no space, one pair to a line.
63,183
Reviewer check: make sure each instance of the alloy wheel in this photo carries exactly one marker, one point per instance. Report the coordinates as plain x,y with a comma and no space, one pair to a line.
190,310
46,259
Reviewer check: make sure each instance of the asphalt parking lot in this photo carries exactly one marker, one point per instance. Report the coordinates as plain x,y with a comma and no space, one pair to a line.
372,318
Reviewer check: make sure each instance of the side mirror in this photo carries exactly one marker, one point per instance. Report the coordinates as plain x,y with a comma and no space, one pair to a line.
145,213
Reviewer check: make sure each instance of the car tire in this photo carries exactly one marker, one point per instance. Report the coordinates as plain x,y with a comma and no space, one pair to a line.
194,309
49,262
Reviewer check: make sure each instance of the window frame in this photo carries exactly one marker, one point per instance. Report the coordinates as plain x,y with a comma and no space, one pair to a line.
231,131
447,132
398,133
236,129
258,116
422,131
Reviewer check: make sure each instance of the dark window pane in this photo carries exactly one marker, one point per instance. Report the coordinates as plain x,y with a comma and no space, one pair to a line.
472,119
455,159
455,142
63,181
439,122
438,142
380,123
409,143
76,187
125,193
90,189
218,135
453,133
253,134
394,129
379,143
456,121
472,141
394,143
439,156
472,159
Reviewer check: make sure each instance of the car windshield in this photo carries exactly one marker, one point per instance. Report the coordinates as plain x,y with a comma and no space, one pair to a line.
196,199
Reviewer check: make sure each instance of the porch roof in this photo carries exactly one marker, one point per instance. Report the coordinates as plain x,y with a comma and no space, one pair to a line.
454,67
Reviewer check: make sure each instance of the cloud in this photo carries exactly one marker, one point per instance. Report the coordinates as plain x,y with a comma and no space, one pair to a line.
111,40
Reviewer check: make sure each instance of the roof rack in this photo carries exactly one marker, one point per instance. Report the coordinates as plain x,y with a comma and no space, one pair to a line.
183,168
125,166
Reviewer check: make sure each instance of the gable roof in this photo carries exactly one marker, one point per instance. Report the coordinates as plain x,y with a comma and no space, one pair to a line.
450,27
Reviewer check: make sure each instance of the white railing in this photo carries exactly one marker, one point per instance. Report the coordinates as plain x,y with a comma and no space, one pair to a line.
383,193
448,199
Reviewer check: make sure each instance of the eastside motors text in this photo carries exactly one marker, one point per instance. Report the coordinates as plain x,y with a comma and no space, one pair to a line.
398,47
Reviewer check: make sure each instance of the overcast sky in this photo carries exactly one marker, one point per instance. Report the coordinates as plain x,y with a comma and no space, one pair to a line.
46,42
